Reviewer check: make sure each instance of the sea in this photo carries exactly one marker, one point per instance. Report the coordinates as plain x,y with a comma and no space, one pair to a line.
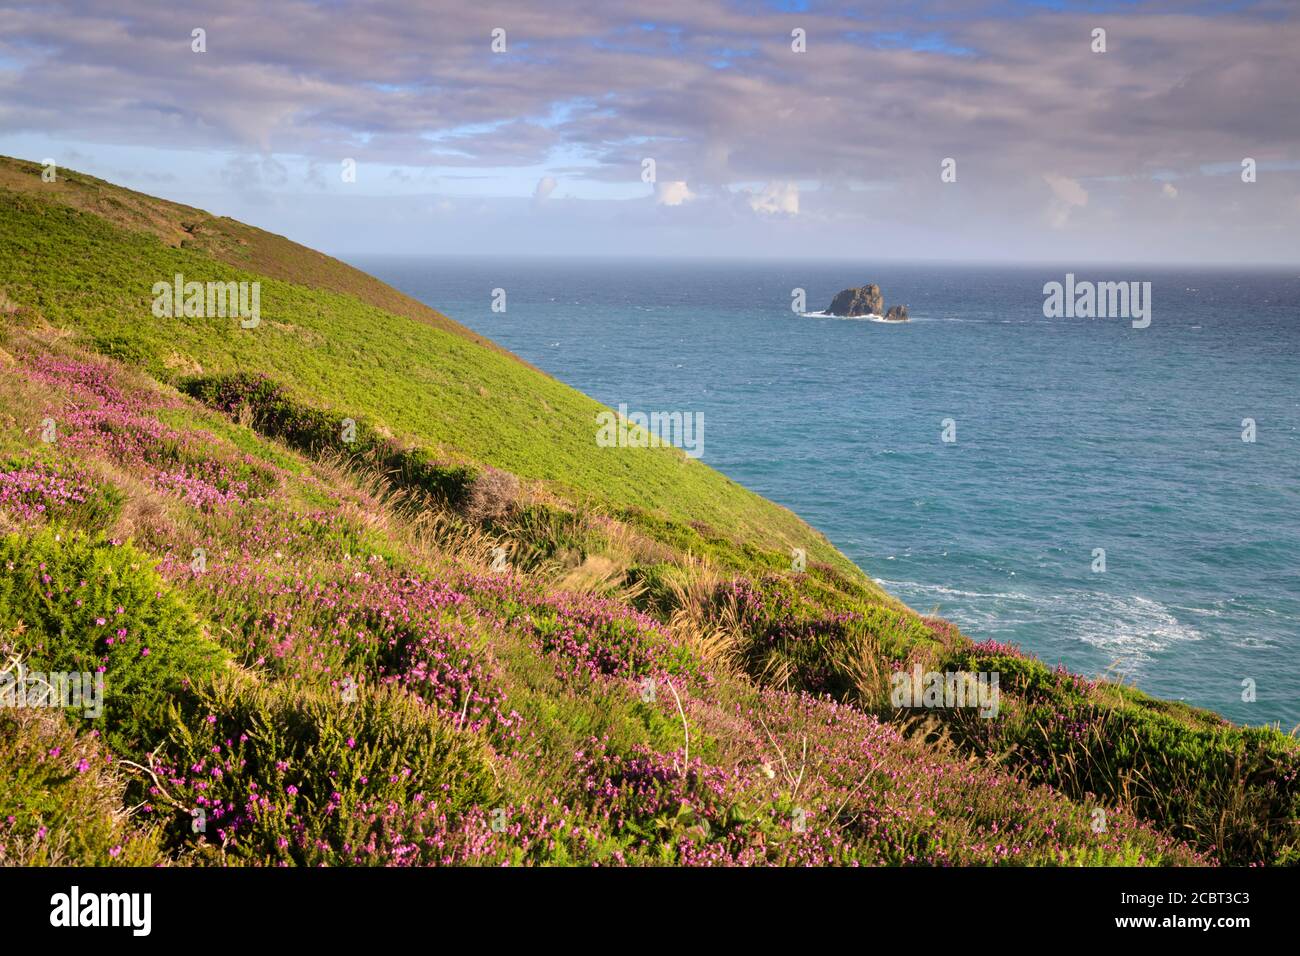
1121,500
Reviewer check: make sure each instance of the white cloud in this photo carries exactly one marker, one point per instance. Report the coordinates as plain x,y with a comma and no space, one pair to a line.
1067,194
673,193
545,186
776,197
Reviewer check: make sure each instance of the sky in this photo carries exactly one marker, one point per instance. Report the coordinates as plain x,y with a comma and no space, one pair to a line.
981,130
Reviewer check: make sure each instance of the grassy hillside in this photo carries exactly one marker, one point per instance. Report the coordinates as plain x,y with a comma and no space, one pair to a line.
469,635
327,337
224,240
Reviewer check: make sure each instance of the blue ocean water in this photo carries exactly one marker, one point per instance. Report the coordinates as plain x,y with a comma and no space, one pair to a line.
1071,435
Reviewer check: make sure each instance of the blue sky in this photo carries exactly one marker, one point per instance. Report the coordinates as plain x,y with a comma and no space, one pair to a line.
759,149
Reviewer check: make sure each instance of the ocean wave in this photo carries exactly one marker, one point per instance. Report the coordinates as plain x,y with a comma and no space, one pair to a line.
899,586
856,318
1130,628
1133,627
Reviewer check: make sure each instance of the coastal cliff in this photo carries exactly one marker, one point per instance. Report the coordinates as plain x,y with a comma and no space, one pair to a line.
478,636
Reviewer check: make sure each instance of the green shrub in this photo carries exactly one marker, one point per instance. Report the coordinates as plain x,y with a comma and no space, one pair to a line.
657,586
1230,791
311,430
817,639
71,602
544,533
60,802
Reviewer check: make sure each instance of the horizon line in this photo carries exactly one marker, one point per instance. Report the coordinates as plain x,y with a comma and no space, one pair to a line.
766,258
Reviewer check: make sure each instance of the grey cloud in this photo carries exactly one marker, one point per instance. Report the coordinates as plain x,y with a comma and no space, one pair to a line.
415,84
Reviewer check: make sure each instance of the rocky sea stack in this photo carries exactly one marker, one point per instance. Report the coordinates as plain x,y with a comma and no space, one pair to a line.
865,300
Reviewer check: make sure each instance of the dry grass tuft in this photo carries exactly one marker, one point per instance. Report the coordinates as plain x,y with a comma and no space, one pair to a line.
709,627
492,495
432,533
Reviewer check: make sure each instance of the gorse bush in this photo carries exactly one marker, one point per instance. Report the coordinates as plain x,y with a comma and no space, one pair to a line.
73,602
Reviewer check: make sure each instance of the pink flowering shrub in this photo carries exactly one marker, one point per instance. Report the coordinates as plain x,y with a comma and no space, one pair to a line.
1164,760
426,833
634,809
307,776
367,626
862,795
87,377
105,419
61,797
593,637
898,801
33,491
697,814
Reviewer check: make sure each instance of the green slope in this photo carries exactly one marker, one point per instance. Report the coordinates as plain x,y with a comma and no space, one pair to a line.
85,256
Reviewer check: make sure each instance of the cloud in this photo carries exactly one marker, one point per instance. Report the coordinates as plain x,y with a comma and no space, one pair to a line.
585,92
777,198
1067,194
1067,190
545,186
672,193
256,178
1169,190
